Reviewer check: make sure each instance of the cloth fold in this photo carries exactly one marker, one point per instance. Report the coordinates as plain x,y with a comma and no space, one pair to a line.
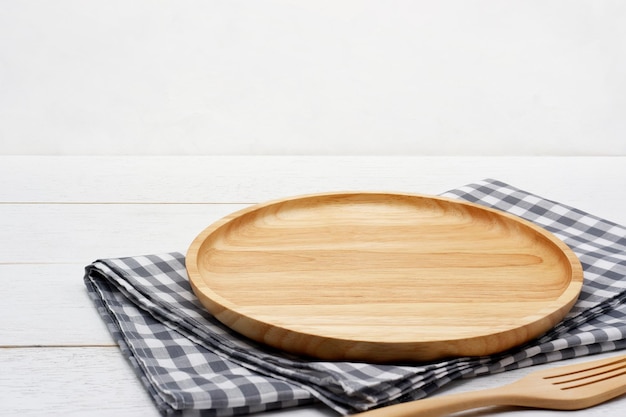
193,365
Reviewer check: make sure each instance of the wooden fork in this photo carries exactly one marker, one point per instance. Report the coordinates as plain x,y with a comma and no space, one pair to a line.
564,388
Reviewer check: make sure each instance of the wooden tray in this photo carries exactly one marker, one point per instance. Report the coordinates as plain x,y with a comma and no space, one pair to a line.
383,277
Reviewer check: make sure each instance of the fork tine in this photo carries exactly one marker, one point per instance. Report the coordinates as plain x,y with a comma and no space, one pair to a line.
595,379
572,387
585,376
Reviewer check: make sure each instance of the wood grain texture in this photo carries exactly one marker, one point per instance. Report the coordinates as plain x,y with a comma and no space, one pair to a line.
383,277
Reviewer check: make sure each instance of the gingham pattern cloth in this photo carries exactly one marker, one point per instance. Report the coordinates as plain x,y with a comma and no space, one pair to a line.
192,365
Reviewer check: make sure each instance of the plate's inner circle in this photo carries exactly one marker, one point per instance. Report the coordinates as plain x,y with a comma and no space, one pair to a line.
382,268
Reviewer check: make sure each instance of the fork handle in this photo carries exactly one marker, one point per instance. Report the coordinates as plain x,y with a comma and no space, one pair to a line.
444,404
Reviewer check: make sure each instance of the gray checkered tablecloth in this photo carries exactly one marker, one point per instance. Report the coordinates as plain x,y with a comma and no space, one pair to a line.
193,365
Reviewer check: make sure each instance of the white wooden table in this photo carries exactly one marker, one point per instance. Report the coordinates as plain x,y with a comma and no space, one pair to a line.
57,214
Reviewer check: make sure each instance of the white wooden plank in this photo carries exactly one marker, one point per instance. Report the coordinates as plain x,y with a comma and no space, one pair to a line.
254,179
70,382
45,305
81,233
204,179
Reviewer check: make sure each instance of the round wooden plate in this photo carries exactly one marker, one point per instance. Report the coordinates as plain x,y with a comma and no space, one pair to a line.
383,277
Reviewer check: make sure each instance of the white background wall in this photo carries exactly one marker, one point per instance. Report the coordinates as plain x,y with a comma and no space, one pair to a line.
488,77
